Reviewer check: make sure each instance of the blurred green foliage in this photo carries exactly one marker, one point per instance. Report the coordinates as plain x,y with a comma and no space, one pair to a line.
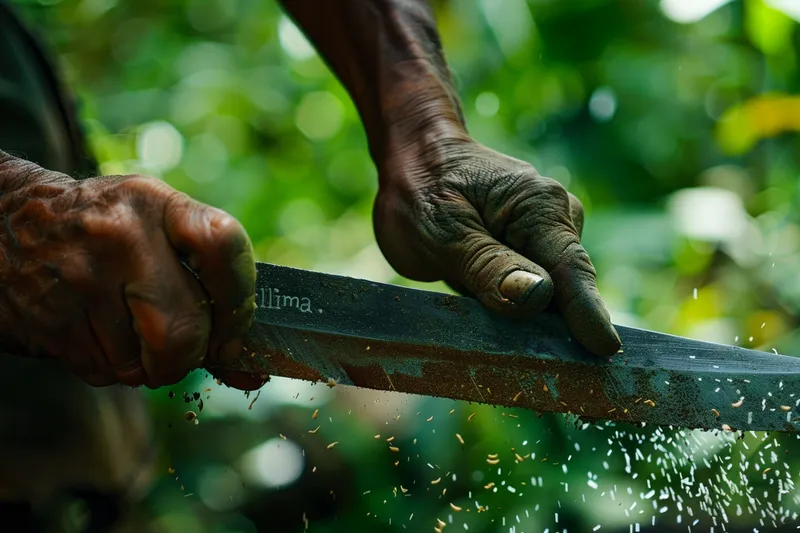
677,131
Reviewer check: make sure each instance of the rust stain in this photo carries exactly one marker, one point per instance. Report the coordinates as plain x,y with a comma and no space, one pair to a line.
435,371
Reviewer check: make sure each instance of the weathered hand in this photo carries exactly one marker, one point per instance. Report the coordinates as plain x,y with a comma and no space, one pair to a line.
91,273
491,226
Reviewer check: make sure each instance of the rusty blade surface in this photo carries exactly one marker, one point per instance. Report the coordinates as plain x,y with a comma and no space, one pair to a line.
315,326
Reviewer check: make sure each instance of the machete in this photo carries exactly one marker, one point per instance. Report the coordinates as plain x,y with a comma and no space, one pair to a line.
321,327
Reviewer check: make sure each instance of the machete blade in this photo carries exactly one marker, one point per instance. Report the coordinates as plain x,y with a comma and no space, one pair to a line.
316,327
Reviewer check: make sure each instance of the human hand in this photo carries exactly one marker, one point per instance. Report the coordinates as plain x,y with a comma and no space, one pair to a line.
489,225
92,273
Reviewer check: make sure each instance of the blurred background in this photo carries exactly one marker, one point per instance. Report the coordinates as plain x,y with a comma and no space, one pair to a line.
674,121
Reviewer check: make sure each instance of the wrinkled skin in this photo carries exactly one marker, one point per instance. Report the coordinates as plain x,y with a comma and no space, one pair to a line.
460,212
447,207
93,274
94,271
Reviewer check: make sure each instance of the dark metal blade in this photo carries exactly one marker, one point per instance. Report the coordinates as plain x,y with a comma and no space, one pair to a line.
317,327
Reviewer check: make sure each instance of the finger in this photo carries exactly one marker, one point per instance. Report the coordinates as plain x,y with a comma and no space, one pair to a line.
170,313
502,279
576,213
239,380
112,324
76,340
84,357
548,236
220,252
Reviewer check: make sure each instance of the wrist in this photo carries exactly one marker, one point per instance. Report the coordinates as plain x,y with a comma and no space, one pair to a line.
419,116
16,173
420,121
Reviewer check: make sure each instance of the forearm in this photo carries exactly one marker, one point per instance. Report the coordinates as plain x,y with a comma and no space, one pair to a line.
13,173
16,173
388,55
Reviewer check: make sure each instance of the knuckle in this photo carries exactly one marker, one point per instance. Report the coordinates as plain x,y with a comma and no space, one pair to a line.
139,184
575,202
577,259
226,234
111,222
144,194
549,189
542,213
207,228
224,229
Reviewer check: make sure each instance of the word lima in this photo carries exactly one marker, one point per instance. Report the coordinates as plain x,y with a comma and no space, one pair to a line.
270,298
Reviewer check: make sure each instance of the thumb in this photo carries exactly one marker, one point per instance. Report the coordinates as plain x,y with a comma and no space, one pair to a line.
503,280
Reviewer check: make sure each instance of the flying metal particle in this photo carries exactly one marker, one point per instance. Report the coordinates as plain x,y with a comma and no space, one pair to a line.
436,481
314,431
281,435
489,486
545,389
651,403
493,461
766,470
258,395
460,439
441,524
394,449
454,507
716,413
516,396
739,403
430,419
315,415
726,427
332,444
786,407
469,418
390,439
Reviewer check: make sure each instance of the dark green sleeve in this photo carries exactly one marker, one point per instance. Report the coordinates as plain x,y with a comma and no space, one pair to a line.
38,116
